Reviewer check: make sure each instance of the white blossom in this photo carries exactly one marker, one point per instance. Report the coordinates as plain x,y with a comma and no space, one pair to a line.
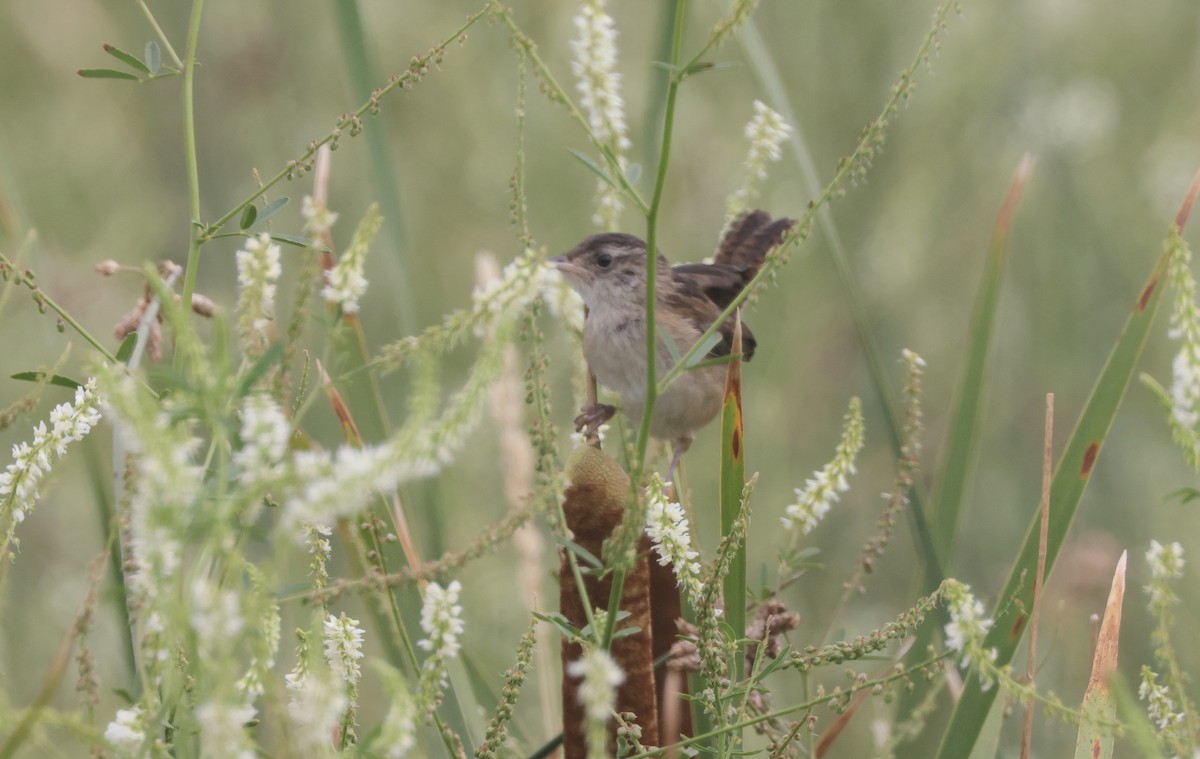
343,648
968,626
667,526
821,491
223,732
258,270
345,282
594,66
1160,707
265,432
441,619
317,219
21,481
601,678
316,708
126,733
766,132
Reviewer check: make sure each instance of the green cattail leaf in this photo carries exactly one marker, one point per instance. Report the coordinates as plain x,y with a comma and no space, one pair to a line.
733,481
53,379
1071,477
127,58
127,346
153,57
1095,737
249,214
272,208
107,74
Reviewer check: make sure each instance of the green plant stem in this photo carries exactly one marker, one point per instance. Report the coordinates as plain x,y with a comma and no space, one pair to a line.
618,583
166,43
193,168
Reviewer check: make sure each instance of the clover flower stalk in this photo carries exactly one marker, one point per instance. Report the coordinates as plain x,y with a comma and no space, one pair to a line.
258,270
1185,327
1166,563
222,730
594,63
1159,705
822,490
968,628
766,132
265,432
398,731
21,481
667,526
598,694
345,282
318,220
441,619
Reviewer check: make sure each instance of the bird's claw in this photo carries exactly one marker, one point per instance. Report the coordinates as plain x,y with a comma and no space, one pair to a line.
594,415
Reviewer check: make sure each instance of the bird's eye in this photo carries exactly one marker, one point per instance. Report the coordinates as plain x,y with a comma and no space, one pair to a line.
604,260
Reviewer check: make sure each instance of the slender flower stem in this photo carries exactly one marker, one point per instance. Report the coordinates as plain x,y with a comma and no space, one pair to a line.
189,141
868,143
345,122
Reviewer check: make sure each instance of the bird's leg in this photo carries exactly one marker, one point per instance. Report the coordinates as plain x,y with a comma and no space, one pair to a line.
594,415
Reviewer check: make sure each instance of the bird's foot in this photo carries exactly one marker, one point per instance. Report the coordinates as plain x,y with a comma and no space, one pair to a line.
594,415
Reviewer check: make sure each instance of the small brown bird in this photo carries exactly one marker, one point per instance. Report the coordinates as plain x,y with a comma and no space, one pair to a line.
609,273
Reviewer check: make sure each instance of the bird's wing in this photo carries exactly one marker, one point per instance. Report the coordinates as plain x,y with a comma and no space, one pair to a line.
748,239
690,299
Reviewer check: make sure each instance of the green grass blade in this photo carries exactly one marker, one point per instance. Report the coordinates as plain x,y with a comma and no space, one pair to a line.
733,480
962,433
1071,477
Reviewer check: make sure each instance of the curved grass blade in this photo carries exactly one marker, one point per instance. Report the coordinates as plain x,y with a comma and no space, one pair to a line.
733,480
1074,470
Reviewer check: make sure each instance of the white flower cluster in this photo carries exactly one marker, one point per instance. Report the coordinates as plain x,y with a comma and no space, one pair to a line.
667,526
258,270
524,278
1184,326
968,626
215,615
21,481
601,678
126,733
1166,563
223,732
821,491
766,132
441,619
265,432
564,303
345,282
343,648
317,219
599,85
1159,705
316,707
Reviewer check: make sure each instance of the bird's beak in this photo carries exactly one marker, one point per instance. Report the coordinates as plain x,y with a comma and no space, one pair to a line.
566,267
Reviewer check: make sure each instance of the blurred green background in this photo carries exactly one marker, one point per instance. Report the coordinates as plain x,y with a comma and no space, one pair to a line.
1105,93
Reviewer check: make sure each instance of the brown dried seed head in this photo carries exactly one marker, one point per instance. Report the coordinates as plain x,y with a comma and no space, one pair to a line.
203,305
108,267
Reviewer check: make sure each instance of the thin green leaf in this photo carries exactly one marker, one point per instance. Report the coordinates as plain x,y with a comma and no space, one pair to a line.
153,57
53,379
249,214
296,240
272,208
107,74
1072,475
962,435
668,341
633,173
126,348
127,58
269,357
586,556
705,347
594,168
